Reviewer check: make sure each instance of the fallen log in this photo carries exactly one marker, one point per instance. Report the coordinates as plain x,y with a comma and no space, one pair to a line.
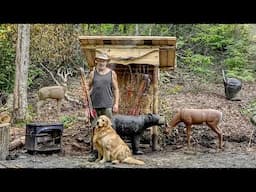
4,118
78,146
16,132
16,143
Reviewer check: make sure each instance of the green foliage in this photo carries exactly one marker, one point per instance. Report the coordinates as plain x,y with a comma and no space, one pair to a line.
208,48
30,116
20,124
68,121
7,58
203,49
31,113
214,36
234,62
111,29
198,59
199,64
34,73
250,109
243,74
176,89
54,46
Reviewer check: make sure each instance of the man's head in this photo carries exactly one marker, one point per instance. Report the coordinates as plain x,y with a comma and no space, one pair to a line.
101,60
102,56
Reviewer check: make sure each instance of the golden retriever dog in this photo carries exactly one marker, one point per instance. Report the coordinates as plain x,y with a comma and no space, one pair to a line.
109,144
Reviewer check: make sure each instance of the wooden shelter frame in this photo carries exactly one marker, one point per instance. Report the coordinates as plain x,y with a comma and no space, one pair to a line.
135,57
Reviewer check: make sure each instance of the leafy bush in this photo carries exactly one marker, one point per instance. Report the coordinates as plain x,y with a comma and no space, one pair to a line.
7,59
68,120
211,48
242,74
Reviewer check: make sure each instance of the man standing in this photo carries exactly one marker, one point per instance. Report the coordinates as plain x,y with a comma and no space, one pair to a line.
104,91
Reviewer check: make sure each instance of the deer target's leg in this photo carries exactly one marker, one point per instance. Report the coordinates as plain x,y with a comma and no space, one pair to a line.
39,106
58,105
188,129
220,135
218,131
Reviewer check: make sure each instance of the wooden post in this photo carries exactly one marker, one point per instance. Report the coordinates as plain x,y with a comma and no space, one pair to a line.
155,106
4,140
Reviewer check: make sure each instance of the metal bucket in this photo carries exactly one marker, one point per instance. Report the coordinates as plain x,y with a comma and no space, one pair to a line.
232,86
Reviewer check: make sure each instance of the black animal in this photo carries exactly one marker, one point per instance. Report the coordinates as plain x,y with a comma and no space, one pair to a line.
134,126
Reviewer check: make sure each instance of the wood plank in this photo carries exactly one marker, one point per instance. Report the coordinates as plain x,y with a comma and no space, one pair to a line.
127,40
163,57
171,57
4,140
4,124
128,37
127,56
99,42
167,56
119,46
127,49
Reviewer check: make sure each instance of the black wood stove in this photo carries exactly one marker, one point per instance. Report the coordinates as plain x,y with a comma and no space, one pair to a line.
43,137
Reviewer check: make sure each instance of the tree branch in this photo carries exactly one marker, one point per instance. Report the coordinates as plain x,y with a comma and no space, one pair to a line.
77,101
50,74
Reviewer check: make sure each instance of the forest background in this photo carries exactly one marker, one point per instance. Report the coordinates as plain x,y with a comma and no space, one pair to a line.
203,50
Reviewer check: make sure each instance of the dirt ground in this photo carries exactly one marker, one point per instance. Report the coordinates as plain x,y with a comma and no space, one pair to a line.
177,90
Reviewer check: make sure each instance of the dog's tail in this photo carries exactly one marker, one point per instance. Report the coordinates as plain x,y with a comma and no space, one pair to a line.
131,160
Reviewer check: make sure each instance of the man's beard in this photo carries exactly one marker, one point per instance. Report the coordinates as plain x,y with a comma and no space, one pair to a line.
101,66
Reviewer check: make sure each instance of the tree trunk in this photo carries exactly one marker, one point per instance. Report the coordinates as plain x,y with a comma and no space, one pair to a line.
150,29
115,28
21,76
137,31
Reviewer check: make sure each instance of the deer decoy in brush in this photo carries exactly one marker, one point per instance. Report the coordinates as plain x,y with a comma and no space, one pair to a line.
54,92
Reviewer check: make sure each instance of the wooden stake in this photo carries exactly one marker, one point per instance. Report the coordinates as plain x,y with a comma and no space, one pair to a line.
155,106
4,140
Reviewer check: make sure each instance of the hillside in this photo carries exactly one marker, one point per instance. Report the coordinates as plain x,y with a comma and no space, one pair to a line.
177,90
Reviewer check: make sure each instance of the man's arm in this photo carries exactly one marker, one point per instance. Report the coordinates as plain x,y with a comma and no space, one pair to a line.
116,91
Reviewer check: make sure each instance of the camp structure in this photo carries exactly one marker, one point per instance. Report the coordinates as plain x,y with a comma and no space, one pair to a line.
137,61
